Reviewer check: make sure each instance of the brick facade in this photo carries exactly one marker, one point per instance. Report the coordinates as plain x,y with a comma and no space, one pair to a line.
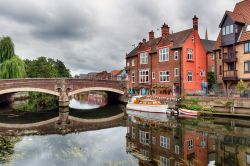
176,66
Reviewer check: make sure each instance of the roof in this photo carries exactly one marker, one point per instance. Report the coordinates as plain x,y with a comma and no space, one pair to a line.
240,14
178,39
115,72
208,44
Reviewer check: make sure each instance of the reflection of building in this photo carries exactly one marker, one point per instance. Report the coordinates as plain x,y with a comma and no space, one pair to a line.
158,144
95,98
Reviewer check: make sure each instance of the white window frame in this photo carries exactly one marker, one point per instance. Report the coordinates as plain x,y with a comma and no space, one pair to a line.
190,74
164,161
248,158
144,137
164,54
153,75
128,64
144,76
143,58
176,72
190,144
176,55
133,76
164,76
177,149
133,133
202,73
177,163
165,142
189,54
132,62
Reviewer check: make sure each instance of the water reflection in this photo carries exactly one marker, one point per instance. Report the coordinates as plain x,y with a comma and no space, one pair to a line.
191,142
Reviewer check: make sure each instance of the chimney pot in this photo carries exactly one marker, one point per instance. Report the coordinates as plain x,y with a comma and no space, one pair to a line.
144,40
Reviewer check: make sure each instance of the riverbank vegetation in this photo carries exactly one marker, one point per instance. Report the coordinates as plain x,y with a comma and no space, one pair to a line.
193,104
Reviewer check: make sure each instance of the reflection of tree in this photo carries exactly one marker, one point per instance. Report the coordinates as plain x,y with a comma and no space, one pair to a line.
7,145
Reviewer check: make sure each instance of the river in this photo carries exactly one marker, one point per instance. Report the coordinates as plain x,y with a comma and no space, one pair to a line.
113,136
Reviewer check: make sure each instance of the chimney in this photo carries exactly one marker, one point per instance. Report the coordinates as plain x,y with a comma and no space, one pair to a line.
164,30
195,23
151,35
143,40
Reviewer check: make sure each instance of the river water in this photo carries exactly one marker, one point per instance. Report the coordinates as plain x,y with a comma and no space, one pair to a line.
113,136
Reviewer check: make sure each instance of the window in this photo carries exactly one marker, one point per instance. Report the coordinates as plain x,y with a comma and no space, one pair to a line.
133,133
164,161
220,70
212,56
229,29
176,55
165,142
144,58
127,64
176,149
219,55
190,144
190,54
144,152
153,75
202,73
133,62
248,158
212,68
164,55
177,163
193,39
133,77
190,76
247,67
164,76
144,137
247,47
153,140
176,72
144,76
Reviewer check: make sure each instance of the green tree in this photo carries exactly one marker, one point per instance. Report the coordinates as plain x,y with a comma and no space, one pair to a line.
241,86
11,66
211,80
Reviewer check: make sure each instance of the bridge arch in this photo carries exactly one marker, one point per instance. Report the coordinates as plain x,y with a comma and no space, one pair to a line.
96,89
29,89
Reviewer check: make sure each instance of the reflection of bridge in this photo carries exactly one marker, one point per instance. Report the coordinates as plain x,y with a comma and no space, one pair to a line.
62,124
63,87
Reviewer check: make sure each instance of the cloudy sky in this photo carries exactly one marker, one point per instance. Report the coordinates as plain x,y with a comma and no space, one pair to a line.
94,35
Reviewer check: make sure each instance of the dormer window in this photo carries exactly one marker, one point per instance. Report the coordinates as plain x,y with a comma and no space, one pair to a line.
229,29
144,58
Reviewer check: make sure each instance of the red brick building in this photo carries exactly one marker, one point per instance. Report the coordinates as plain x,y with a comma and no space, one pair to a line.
172,64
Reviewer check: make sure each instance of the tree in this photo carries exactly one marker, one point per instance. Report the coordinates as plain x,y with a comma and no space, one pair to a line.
211,80
11,66
241,86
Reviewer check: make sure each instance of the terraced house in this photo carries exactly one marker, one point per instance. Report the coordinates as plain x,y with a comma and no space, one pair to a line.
232,48
172,64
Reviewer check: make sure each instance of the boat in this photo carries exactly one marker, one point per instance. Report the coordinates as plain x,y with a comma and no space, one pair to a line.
161,109
188,112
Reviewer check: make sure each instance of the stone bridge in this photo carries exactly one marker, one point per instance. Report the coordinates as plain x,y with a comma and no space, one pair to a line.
64,88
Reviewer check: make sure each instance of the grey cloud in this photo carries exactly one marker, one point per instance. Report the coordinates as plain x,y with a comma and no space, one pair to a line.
95,36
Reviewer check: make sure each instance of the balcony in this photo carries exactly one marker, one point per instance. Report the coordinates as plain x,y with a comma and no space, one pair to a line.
230,75
229,57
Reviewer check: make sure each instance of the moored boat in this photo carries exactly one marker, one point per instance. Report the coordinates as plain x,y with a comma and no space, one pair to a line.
188,112
163,109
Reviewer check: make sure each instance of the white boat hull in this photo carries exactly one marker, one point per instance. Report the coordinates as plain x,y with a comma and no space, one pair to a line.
150,108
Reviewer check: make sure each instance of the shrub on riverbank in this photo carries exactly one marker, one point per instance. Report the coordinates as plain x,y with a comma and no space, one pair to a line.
193,104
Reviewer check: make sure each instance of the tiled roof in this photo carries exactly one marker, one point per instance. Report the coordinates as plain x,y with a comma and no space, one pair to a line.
217,42
178,39
208,44
243,8
115,72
